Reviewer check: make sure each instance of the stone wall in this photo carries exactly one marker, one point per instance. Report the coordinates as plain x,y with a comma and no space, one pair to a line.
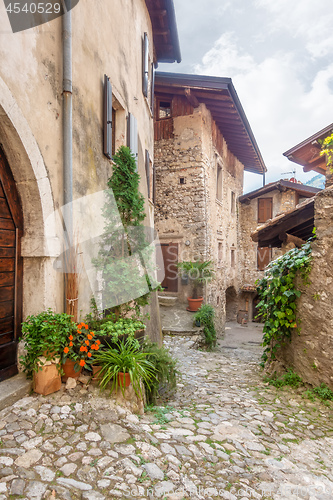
310,353
187,209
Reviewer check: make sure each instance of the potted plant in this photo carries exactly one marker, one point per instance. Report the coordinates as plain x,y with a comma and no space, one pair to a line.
198,273
45,335
78,351
127,364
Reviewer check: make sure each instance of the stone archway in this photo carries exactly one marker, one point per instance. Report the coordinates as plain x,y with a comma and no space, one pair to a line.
39,243
231,304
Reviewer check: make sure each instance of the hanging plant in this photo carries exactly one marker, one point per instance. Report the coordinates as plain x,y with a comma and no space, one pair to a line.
278,298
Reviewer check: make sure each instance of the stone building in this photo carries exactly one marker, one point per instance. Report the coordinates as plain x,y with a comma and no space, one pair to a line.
52,88
203,144
255,208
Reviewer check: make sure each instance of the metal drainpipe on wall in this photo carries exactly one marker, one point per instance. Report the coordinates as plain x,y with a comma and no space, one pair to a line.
67,126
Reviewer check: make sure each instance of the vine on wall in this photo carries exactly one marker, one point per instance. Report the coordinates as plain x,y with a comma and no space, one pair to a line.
278,298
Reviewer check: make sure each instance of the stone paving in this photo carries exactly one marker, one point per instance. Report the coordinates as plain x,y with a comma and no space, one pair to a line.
225,435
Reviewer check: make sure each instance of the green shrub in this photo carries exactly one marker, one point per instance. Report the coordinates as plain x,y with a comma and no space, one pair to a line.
290,378
205,315
165,383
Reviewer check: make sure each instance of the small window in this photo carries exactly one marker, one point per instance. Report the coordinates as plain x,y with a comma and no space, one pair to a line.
164,110
265,209
232,257
182,180
233,202
219,183
220,252
264,256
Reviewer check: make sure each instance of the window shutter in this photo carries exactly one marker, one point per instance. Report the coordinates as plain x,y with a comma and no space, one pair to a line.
107,112
152,94
132,136
154,184
264,256
264,209
148,172
145,64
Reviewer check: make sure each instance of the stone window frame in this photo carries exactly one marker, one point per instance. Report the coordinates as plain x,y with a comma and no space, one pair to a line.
232,202
219,182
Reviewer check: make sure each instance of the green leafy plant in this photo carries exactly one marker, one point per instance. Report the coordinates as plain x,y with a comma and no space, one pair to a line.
327,149
121,329
165,382
122,276
205,315
198,273
289,378
81,346
127,358
278,298
44,334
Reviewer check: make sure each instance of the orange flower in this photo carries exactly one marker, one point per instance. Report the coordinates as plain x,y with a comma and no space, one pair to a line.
82,362
70,337
92,333
89,354
97,347
89,337
87,342
71,344
82,348
66,350
98,342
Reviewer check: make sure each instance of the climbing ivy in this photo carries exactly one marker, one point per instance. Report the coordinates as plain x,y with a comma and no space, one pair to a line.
278,296
327,149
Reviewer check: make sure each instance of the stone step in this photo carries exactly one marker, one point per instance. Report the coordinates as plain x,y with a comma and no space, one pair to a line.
13,389
165,300
181,331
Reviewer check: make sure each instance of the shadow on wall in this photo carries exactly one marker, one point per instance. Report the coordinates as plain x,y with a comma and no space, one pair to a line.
231,304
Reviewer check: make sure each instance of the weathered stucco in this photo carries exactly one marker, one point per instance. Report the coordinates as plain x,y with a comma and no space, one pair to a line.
107,39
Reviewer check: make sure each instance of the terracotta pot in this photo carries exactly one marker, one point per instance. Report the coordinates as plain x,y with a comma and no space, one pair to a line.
68,368
95,369
47,380
194,304
124,379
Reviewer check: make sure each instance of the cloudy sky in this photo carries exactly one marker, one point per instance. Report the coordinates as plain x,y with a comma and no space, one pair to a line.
279,56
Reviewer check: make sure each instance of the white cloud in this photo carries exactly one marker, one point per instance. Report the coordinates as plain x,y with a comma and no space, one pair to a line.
282,111
306,19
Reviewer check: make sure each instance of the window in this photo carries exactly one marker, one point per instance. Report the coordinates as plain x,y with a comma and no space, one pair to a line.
132,135
233,203
232,257
164,110
265,206
264,256
148,73
182,180
150,176
219,183
220,252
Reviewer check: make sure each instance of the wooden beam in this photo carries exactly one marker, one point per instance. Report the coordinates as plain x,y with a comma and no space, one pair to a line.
191,98
290,238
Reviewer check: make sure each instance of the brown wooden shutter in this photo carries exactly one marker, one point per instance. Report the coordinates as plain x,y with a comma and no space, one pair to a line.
265,206
264,256
107,117
145,65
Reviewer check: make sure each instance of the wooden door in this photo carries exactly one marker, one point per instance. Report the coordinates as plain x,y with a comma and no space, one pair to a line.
170,257
11,227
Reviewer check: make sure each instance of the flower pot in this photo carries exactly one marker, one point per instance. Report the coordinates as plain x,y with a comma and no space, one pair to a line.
47,380
124,379
194,304
68,368
95,370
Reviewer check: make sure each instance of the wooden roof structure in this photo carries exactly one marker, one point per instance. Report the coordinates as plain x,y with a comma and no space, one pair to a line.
298,222
220,97
281,185
307,153
165,33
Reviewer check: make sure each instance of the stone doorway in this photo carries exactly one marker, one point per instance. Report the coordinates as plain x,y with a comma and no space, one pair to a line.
231,304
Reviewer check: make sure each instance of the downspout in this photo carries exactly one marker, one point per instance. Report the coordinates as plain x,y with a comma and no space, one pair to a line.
67,122
67,133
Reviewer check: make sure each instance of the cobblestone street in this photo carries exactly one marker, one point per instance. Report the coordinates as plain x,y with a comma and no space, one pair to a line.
225,435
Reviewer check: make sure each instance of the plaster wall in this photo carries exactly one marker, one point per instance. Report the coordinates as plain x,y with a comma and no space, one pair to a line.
107,39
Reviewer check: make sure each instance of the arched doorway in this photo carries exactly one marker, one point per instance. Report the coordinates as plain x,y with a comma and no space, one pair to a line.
231,304
11,270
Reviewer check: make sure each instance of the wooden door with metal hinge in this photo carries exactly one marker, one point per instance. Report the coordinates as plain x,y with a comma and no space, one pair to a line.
11,270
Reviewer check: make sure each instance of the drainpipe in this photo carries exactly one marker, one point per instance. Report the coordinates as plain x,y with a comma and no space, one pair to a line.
264,178
67,121
67,133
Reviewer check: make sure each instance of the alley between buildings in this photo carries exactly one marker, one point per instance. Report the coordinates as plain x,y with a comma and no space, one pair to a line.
226,434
